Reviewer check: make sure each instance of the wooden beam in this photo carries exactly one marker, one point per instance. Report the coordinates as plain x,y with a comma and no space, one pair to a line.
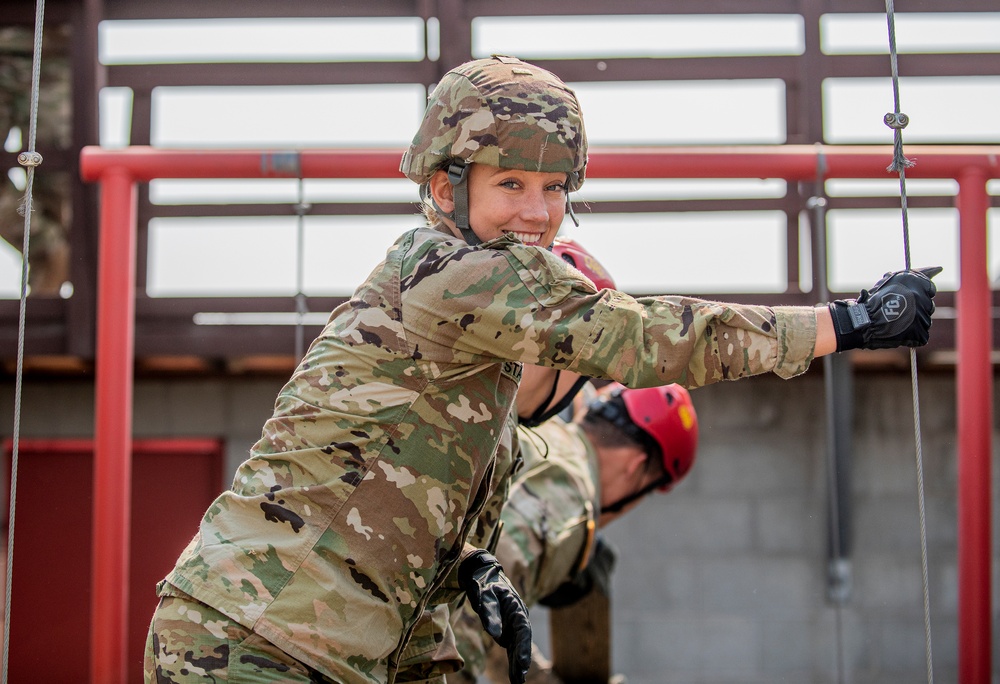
581,640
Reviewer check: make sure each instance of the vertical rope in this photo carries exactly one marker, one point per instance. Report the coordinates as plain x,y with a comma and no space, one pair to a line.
897,121
29,159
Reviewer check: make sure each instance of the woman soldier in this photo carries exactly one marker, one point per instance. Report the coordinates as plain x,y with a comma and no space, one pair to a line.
350,517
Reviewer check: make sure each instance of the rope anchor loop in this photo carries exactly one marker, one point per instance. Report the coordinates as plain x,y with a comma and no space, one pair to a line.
896,120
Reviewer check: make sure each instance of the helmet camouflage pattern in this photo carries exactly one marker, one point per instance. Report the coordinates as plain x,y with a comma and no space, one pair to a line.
502,112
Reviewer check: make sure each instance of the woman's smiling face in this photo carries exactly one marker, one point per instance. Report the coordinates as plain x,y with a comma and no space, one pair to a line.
530,204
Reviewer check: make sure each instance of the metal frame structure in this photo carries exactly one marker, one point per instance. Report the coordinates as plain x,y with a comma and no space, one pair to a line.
119,172
110,328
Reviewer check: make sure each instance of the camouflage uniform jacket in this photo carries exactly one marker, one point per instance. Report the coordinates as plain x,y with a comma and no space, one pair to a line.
356,502
548,532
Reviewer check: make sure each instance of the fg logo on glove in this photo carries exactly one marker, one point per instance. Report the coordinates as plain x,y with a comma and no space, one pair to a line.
893,306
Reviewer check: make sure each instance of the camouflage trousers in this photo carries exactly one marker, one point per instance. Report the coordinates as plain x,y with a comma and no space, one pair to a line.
190,642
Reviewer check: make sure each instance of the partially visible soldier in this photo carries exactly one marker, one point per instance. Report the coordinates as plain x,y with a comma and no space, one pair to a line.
578,477
48,256
546,392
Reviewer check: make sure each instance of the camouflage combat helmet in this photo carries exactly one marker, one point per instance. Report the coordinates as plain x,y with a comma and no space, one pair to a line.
502,112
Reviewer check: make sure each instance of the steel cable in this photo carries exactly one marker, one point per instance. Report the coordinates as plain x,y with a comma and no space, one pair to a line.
897,121
29,159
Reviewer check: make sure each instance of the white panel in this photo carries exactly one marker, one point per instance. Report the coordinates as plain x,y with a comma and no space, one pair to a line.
604,189
680,253
684,112
349,115
10,271
916,187
115,105
865,243
941,109
638,36
256,256
916,32
280,190
341,251
261,40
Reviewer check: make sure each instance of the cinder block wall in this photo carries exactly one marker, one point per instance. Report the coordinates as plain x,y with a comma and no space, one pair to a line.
231,409
724,579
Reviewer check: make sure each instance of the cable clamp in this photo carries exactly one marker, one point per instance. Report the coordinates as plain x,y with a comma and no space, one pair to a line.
896,120
29,158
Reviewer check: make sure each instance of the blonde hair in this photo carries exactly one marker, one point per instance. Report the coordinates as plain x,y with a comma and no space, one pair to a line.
431,215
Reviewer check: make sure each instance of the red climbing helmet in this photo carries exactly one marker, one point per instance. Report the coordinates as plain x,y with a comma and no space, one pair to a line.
667,415
572,252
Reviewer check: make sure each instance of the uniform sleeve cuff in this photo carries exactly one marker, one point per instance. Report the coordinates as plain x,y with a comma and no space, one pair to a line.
796,339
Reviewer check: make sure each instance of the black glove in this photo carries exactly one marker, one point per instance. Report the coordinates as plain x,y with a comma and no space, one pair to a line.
501,610
895,312
597,573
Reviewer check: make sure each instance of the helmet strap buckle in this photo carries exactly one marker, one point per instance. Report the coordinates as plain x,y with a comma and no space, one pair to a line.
458,176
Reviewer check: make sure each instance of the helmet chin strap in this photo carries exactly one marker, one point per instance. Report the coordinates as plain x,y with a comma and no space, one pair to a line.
626,500
569,210
544,411
458,176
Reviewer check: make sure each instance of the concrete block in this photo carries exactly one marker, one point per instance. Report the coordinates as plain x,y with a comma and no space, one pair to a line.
762,587
743,463
901,651
886,584
662,526
792,523
686,647
191,407
57,409
887,523
657,588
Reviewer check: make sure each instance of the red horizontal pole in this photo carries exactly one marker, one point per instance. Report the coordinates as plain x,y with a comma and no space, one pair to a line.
792,162
147,163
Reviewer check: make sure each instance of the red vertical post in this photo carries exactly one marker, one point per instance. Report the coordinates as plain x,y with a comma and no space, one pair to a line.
975,411
113,428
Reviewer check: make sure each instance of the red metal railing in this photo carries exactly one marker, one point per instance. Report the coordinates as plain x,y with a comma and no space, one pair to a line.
119,170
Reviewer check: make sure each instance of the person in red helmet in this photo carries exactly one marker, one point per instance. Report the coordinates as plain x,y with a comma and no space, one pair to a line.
577,478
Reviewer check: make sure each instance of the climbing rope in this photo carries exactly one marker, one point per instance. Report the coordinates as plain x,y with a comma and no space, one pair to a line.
897,121
28,159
